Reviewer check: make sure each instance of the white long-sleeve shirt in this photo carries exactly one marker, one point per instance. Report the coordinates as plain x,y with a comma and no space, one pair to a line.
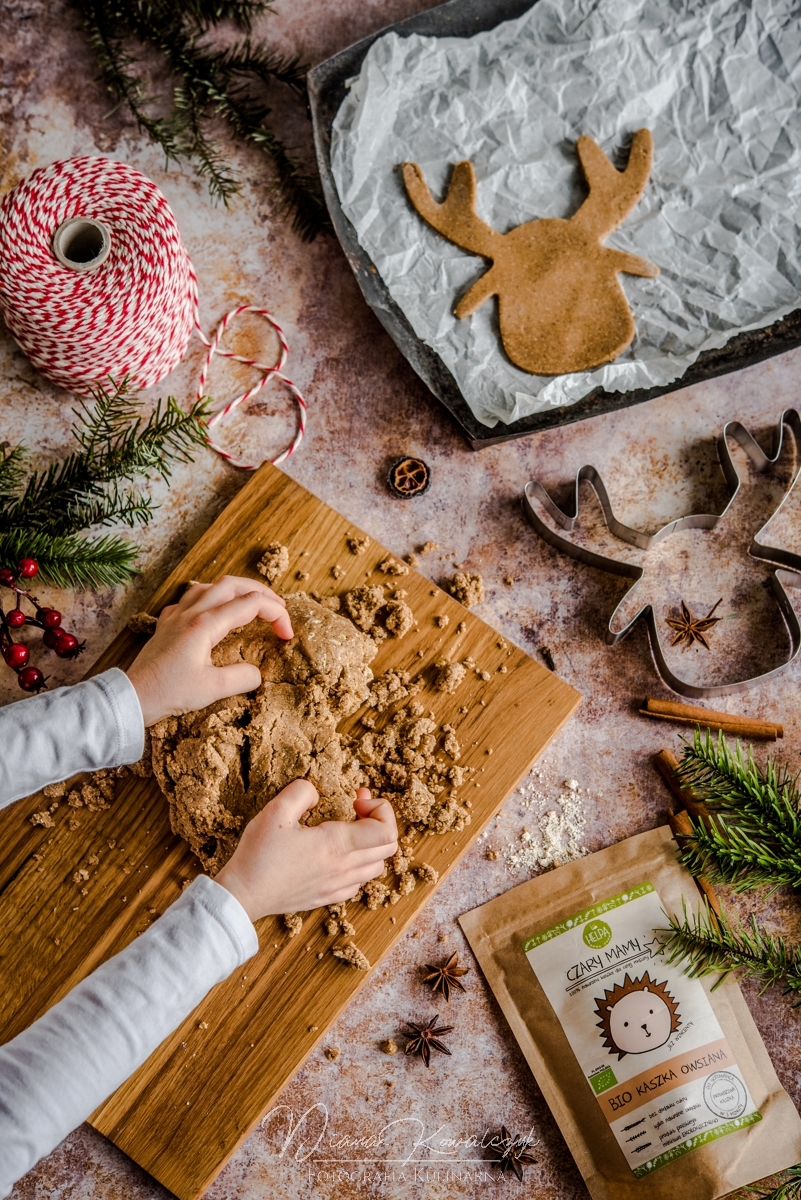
54,1074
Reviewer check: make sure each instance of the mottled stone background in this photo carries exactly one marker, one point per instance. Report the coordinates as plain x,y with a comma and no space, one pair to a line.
366,406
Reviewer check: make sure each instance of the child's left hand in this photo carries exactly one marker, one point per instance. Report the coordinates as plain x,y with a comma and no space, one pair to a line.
173,674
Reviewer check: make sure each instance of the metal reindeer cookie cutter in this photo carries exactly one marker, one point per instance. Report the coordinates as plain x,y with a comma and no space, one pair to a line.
553,524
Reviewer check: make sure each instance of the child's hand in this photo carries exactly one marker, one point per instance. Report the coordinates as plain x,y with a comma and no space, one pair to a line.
282,866
174,674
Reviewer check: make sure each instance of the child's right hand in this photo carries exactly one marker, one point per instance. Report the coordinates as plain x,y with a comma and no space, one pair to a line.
281,866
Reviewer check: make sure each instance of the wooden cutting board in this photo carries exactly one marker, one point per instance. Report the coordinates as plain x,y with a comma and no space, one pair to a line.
185,1111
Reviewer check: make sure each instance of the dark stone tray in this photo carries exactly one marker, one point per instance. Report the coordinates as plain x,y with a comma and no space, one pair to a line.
326,83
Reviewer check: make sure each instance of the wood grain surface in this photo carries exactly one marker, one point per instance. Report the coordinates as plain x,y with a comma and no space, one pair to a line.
188,1107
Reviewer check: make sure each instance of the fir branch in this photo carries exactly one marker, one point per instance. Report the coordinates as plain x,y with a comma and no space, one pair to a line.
706,944
788,1189
72,561
73,494
208,83
754,837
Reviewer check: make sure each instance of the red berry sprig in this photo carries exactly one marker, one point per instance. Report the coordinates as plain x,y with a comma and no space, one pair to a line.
16,654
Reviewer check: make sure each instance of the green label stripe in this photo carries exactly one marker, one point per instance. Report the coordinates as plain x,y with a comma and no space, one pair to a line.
693,1143
581,918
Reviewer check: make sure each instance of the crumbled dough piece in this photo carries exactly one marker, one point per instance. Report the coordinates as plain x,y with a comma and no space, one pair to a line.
451,744
398,618
42,818
390,1046
80,876
337,571
332,1053
143,622
218,767
293,922
427,548
391,687
426,873
406,884
54,791
352,955
443,620
375,893
467,588
412,560
358,543
332,927
460,628
302,576
492,855
274,562
391,566
485,675
362,605
449,676
508,580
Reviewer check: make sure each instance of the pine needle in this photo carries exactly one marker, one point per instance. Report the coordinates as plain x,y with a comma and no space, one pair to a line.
754,838
72,561
706,944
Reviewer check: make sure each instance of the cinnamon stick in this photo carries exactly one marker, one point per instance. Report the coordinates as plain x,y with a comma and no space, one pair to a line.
680,824
693,714
667,765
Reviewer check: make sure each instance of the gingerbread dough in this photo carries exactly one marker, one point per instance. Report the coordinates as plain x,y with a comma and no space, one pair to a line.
560,302
218,767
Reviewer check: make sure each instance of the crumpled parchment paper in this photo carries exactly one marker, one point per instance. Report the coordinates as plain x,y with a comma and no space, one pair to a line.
718,84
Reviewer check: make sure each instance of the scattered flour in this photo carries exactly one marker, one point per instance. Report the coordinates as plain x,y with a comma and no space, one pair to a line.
556,837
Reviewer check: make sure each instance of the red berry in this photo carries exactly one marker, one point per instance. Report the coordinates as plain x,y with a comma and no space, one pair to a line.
51,637
7,577
31,679
16,655
15,618
67,645
50,617
27,568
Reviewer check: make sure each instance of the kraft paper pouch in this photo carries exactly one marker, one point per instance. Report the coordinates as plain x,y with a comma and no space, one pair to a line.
661,1087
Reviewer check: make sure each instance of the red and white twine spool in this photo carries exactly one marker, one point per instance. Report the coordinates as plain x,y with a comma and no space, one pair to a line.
96,284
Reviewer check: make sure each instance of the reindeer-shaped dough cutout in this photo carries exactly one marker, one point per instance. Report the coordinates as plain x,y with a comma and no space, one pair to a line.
560,301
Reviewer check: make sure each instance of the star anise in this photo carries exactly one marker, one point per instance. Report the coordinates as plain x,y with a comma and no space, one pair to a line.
691,629
446,976
511,1152
425,1038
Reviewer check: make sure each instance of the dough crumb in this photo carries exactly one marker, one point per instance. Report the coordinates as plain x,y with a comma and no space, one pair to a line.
398,618
391,566
352,955
375,893
362,605
390,1046
428,548
42,818
337,571
293,922
332,1053
443,620
358,543
142,622
449,676
467,588
451,745
54,791
426,873
274,562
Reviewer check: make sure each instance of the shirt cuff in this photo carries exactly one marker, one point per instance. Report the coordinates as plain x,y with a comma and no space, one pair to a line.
124,704
227,910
